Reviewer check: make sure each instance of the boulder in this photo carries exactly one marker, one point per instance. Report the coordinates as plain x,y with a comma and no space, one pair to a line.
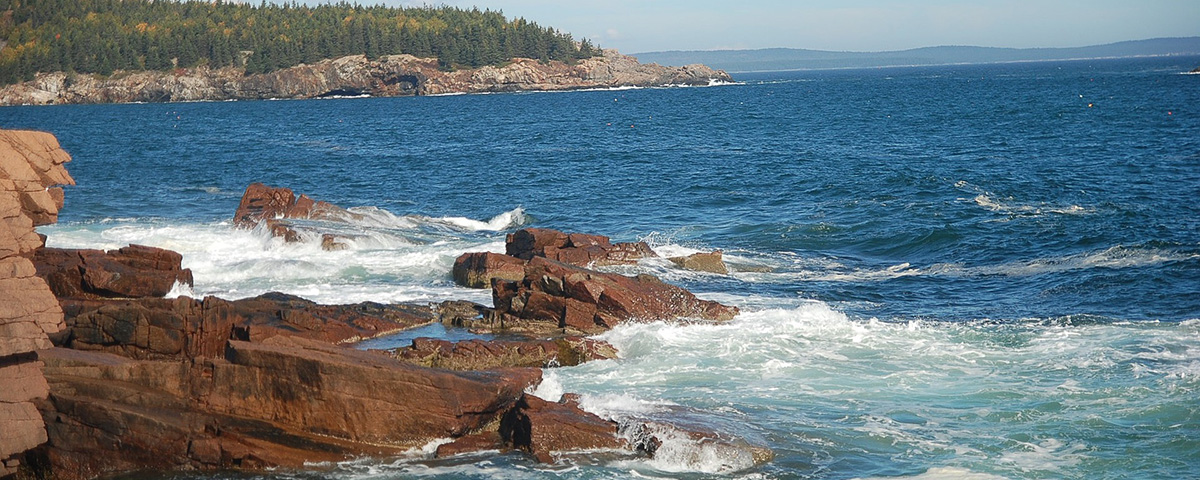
578,299
703,262
478,354
476,270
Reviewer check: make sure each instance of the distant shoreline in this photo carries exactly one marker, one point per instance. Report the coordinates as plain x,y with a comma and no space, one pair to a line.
1007,62
788,59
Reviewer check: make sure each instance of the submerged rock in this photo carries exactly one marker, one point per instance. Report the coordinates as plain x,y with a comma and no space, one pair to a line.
703,262
489,354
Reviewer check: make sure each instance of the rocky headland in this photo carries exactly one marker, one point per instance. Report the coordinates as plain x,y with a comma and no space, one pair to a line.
392,75
102,373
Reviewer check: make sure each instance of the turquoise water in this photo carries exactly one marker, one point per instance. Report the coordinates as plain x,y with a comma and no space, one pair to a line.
945,272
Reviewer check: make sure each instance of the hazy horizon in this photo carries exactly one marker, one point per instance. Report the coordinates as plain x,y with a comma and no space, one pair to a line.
633,26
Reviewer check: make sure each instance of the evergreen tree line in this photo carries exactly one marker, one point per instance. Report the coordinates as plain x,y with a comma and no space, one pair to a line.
101,36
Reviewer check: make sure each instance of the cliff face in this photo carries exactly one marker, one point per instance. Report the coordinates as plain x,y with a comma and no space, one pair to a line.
30,163
393,75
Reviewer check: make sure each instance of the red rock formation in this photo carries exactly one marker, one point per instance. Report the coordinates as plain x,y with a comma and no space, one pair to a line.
31,165
477,269
260,202
184,328
130,272
285,401
275,205
588,301
575,249
542,428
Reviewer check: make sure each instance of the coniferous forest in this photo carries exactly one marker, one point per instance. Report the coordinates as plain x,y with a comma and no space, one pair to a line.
102,36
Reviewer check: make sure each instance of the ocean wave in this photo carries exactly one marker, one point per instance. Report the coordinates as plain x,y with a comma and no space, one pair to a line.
774,270
1009,206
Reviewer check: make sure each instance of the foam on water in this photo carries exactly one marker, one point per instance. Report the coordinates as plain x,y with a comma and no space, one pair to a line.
951,391
388,258
757,267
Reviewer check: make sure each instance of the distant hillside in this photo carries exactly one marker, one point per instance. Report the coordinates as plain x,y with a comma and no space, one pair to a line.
103,36
796,59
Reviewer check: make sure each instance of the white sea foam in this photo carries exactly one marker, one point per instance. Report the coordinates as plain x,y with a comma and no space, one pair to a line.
945,473
388,258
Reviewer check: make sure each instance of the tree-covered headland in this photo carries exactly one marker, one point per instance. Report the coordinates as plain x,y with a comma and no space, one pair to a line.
102,36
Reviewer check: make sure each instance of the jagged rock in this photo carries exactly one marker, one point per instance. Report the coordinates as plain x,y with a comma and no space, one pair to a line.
575,249
491,354
274,206
477,269
575,298
543,428
130,272
703,262
390,75
260,202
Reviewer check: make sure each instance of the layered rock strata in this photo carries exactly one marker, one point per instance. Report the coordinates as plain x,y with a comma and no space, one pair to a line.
545,283
31,168
392,75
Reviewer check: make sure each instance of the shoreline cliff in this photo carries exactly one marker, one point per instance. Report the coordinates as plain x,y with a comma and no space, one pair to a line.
387,76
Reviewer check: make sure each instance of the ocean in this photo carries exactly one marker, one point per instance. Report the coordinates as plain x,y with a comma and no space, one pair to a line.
984,272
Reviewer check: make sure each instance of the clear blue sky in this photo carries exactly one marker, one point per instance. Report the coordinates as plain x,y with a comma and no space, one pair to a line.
850,25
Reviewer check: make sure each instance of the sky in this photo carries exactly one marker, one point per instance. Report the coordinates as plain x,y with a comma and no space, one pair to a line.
634,26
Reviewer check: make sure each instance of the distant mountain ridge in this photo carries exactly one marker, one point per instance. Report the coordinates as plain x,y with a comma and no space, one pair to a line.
770,59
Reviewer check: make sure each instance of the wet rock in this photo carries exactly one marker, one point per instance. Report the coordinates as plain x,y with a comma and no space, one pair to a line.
260,202
474,443
476,270
543,428
478,354
130,272
703,262
575,249
578,299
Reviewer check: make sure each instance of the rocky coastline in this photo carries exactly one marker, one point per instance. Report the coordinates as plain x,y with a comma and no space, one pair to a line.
387,76
103,374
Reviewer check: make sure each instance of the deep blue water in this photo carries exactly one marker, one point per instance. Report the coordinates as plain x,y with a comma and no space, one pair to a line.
1038,222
